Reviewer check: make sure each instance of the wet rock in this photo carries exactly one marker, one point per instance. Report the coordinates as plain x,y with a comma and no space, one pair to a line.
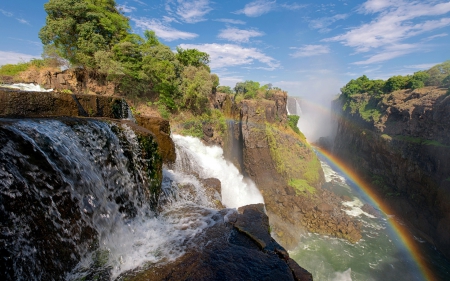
370,210
230,254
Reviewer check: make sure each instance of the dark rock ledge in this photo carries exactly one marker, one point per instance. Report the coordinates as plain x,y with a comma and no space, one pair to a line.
237,247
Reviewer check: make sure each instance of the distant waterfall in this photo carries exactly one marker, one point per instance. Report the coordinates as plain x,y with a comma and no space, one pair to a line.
293,106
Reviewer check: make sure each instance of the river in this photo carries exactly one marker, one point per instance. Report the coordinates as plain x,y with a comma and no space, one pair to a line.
379,255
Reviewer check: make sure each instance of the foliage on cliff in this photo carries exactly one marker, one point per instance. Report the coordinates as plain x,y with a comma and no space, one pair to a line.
364,96
294,159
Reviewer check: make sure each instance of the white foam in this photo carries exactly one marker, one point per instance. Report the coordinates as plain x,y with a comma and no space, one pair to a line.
330,174
343,276
208,162
30,87
355,208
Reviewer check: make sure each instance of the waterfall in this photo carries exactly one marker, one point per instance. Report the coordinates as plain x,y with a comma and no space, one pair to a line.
74,202
208,162
293,106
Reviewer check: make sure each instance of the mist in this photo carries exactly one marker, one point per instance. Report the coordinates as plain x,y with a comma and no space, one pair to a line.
315,96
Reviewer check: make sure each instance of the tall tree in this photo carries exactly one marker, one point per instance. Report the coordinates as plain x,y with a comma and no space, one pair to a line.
80,28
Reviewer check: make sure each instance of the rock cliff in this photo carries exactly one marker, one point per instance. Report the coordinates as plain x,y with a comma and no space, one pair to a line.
401,143
285,169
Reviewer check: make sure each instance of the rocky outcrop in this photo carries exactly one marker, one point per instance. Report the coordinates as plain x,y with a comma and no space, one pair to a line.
76,80
20,104
285,169
400,142
58,179
237,247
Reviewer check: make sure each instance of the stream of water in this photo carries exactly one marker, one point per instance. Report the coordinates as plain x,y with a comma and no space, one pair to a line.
378,256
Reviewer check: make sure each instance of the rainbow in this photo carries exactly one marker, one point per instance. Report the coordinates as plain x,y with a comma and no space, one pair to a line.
399,229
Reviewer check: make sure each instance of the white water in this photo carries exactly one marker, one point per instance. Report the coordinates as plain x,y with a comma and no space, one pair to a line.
27,87
187,211
208,162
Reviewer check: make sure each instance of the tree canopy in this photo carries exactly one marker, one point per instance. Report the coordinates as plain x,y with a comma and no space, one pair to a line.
80,28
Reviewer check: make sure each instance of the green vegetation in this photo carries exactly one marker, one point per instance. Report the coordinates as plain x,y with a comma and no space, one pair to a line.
438,75
285,149
292,122
301,186
192,125
363,96
421,141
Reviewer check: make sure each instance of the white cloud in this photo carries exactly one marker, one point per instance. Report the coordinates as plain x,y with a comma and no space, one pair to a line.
140,2
162,30
310,50
13,57
231,21
294,6
397,21
389,53
6,13
238,35
436,36
421,66
225,55
373,6
257,8
190,11
323,23
126,9
23,21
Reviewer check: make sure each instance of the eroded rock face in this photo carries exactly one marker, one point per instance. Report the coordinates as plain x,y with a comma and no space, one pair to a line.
19,104
272,157
239,247
75,80
405,154
161,130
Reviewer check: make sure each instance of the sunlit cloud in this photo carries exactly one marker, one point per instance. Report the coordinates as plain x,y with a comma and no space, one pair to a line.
230,21
257,8
397,21
238,35
310,50
14,57
189,11
322,23
6,13
23,21
421,66
126,9
226,55
163,30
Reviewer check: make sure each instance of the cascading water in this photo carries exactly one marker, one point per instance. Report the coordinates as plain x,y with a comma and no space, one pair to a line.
208,162
27,87
74,200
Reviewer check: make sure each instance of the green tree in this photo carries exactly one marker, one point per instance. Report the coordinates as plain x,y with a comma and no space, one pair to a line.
196,86
438,73
395,83
418,80
225,89
192,57
80,28
215,82
162,70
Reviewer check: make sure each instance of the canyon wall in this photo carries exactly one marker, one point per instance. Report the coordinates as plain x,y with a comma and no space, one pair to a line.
400,142
285,169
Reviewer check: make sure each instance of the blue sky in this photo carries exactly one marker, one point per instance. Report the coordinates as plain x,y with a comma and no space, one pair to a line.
310,48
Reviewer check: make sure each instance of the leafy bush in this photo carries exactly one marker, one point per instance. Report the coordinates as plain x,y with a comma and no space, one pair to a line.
292,122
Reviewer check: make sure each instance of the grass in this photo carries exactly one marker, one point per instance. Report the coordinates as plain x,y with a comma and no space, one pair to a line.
294,159
301,186
192,125
422,141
